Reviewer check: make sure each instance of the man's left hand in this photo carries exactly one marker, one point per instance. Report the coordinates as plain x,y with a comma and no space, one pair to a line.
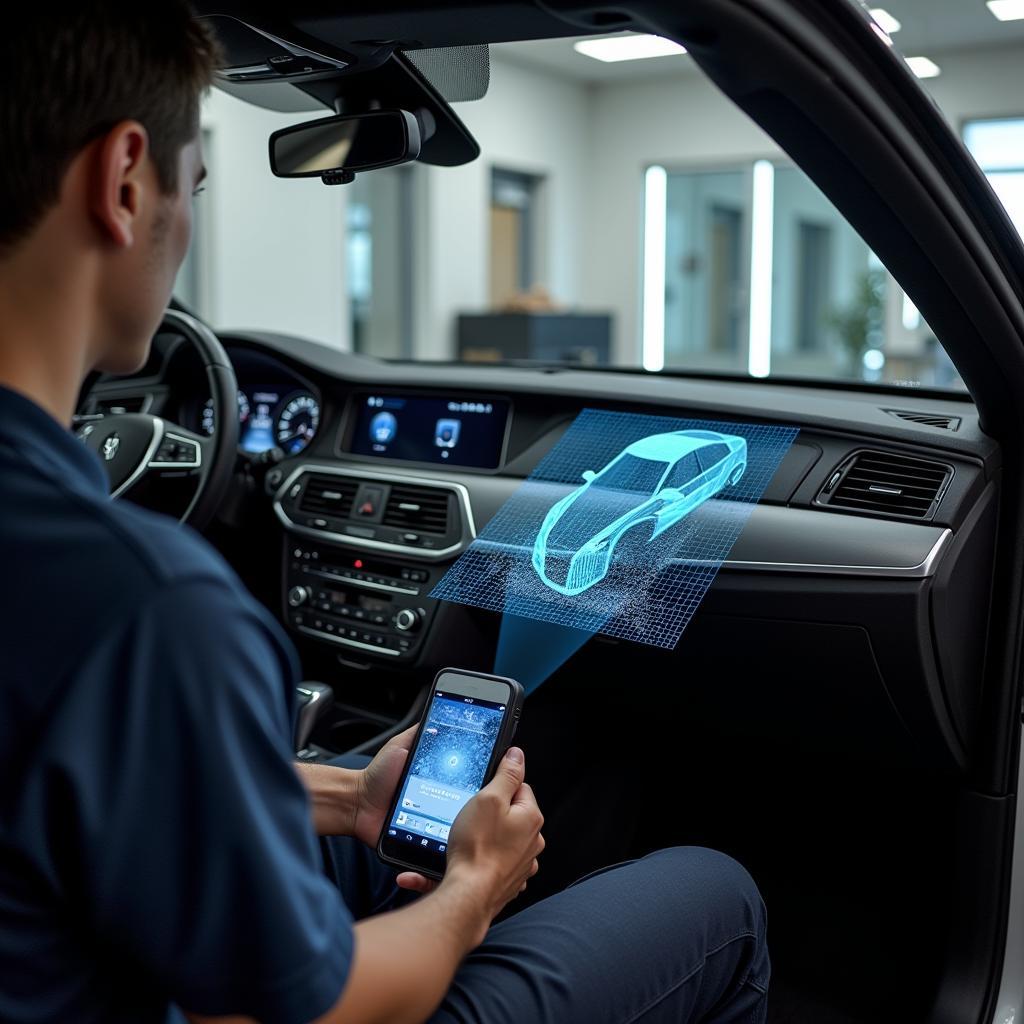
377,784
353,802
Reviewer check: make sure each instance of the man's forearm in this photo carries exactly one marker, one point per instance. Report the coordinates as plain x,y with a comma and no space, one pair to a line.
405,960
334,797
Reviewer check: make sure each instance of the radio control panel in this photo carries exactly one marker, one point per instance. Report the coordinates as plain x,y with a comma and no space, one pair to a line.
375,607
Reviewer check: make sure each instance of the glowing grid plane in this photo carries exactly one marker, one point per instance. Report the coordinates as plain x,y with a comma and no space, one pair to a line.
623,526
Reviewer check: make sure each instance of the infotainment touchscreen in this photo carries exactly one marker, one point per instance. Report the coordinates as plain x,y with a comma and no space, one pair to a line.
453,431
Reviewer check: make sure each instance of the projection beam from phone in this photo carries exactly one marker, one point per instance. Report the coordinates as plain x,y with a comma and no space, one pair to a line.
531,652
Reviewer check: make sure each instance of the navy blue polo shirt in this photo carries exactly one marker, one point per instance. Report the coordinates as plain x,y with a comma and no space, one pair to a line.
156,845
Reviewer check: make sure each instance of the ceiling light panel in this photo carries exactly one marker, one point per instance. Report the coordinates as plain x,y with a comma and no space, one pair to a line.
1007,10
923,67
637,47
885,21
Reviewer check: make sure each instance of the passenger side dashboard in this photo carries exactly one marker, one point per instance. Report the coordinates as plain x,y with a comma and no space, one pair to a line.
878,596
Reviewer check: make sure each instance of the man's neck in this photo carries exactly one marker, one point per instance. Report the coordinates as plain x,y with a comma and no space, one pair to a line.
44,331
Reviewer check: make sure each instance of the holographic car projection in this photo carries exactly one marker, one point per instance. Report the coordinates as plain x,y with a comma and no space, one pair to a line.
658,480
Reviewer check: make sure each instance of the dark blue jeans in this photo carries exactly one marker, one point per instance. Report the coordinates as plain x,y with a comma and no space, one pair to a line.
678,936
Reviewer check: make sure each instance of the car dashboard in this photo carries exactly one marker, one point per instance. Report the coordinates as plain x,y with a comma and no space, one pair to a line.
862,573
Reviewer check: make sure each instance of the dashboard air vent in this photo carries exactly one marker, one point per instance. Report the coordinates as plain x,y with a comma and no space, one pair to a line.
328,495
896,485
927,419
419,509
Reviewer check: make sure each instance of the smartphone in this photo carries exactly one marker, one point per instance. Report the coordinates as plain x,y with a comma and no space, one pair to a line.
467,726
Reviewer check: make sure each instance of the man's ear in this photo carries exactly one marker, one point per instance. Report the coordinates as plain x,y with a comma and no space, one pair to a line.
119,181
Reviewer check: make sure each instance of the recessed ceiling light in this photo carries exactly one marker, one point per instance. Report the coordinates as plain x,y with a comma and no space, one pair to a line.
923,67
619,48
885,21
1007,10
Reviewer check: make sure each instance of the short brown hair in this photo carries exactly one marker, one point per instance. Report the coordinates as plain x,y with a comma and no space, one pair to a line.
70,71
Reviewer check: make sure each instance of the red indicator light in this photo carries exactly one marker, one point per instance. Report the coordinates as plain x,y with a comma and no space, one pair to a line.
358,563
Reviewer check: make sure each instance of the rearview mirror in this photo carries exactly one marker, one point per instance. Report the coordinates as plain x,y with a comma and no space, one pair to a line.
335,148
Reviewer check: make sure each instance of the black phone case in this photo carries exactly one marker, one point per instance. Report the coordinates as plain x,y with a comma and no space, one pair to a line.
504,741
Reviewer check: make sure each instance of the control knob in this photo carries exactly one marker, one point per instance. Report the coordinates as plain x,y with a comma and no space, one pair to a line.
298,596
408,620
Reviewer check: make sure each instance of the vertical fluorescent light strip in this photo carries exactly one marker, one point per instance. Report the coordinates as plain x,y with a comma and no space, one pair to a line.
759,353
911,316
655,212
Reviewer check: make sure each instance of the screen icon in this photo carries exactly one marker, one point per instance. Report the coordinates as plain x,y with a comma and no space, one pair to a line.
446,433
383,428
441,848
424,842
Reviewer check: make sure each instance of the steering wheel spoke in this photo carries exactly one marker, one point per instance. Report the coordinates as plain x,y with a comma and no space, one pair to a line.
179,451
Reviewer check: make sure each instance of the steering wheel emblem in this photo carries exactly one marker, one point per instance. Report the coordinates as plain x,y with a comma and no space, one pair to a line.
110,447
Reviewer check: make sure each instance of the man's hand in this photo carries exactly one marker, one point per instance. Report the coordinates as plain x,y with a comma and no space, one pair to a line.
350,802
496,839
377,784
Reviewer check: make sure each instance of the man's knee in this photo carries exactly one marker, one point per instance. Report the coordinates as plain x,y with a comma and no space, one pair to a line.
712,882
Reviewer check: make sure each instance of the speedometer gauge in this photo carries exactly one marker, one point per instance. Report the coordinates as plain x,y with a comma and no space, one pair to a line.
296,426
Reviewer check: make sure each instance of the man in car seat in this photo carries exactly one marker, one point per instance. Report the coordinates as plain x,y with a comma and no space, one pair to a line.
158,848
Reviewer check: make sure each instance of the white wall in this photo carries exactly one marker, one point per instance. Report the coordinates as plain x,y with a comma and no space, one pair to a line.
530,122
274,252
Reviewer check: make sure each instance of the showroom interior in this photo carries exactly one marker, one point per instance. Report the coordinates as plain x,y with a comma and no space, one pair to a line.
642,257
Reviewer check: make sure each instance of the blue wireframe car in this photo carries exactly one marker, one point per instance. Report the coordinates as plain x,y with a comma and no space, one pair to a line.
659,479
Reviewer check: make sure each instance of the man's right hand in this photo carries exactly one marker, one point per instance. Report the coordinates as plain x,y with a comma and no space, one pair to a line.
496,839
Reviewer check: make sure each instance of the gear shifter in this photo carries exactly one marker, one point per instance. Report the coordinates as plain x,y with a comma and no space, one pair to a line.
313,700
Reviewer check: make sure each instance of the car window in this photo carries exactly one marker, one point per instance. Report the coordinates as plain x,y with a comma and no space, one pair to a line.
688,243
711,455
630,473
684,471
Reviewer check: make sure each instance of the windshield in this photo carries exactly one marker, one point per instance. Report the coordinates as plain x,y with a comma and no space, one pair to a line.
632,474
622,213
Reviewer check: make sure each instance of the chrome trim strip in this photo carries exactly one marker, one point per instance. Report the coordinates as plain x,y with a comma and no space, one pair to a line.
348,581
406,551
922,570
143,466
348,643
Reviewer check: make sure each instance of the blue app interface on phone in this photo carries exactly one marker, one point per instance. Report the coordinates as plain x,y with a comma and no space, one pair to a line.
448,768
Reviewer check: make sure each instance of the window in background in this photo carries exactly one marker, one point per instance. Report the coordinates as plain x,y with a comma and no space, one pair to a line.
379,262
998,146
752,270
513,214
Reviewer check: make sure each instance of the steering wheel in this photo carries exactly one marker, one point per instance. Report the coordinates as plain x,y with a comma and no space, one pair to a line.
133,446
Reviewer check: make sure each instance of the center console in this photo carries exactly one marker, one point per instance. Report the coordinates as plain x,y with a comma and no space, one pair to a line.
363,550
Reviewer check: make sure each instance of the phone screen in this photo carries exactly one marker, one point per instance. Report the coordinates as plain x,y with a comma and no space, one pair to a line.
446,769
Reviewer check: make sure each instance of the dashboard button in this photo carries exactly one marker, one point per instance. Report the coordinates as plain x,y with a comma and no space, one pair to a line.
298,596
407,620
